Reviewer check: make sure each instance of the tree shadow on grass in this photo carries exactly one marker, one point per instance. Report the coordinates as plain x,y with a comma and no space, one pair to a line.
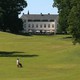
69,37
15,54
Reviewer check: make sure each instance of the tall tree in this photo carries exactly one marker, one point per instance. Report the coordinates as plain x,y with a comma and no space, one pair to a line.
74,21
63,9
1,16
69,17
0,11
11,10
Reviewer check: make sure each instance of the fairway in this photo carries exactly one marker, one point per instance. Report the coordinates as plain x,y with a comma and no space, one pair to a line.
43,57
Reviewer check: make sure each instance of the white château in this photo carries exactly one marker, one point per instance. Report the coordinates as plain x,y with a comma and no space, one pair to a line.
40,23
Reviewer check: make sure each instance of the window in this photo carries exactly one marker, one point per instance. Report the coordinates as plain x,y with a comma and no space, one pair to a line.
51,20
24,25
45,20
48,25
44,25
52,25
28,25
40,26
30,20
24,21
32,25
36,20
37,26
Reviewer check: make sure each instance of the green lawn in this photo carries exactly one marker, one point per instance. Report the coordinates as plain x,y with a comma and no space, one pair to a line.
43,57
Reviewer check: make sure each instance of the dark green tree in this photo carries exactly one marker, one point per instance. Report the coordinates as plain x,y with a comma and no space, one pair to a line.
63,10
0,11
74,21
12,8
1,16
69,17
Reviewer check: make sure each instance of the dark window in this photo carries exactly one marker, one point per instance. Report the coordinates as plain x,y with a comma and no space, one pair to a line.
52,25
30,20
40,26
44,25
24,21
48,25
28,25
32,25
36,20
45,20
37,26
52,20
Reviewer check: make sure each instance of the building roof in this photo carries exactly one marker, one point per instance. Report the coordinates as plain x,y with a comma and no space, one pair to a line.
40,16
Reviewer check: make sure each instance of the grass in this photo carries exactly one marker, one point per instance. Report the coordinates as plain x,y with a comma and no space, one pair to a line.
43,57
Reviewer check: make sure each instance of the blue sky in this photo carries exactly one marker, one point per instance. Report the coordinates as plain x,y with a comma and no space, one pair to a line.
40,6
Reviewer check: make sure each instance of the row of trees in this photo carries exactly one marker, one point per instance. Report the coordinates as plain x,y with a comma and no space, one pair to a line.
69,17
9,11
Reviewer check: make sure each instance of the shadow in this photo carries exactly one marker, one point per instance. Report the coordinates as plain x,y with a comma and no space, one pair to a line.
22,34
15,54
69,37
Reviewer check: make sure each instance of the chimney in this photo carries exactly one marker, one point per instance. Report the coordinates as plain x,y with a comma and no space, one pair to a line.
28,13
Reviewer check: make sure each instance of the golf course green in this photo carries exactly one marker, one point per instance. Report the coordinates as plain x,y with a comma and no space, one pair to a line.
44,57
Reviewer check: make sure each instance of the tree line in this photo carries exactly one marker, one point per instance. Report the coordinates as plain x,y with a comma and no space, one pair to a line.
69,18
9,11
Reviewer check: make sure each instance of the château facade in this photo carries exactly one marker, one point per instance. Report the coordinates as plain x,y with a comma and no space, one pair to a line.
40,23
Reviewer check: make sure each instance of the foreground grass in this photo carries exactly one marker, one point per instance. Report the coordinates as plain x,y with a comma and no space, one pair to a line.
43,57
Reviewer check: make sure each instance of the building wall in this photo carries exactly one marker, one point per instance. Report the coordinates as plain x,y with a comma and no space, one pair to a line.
38,26
38,23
